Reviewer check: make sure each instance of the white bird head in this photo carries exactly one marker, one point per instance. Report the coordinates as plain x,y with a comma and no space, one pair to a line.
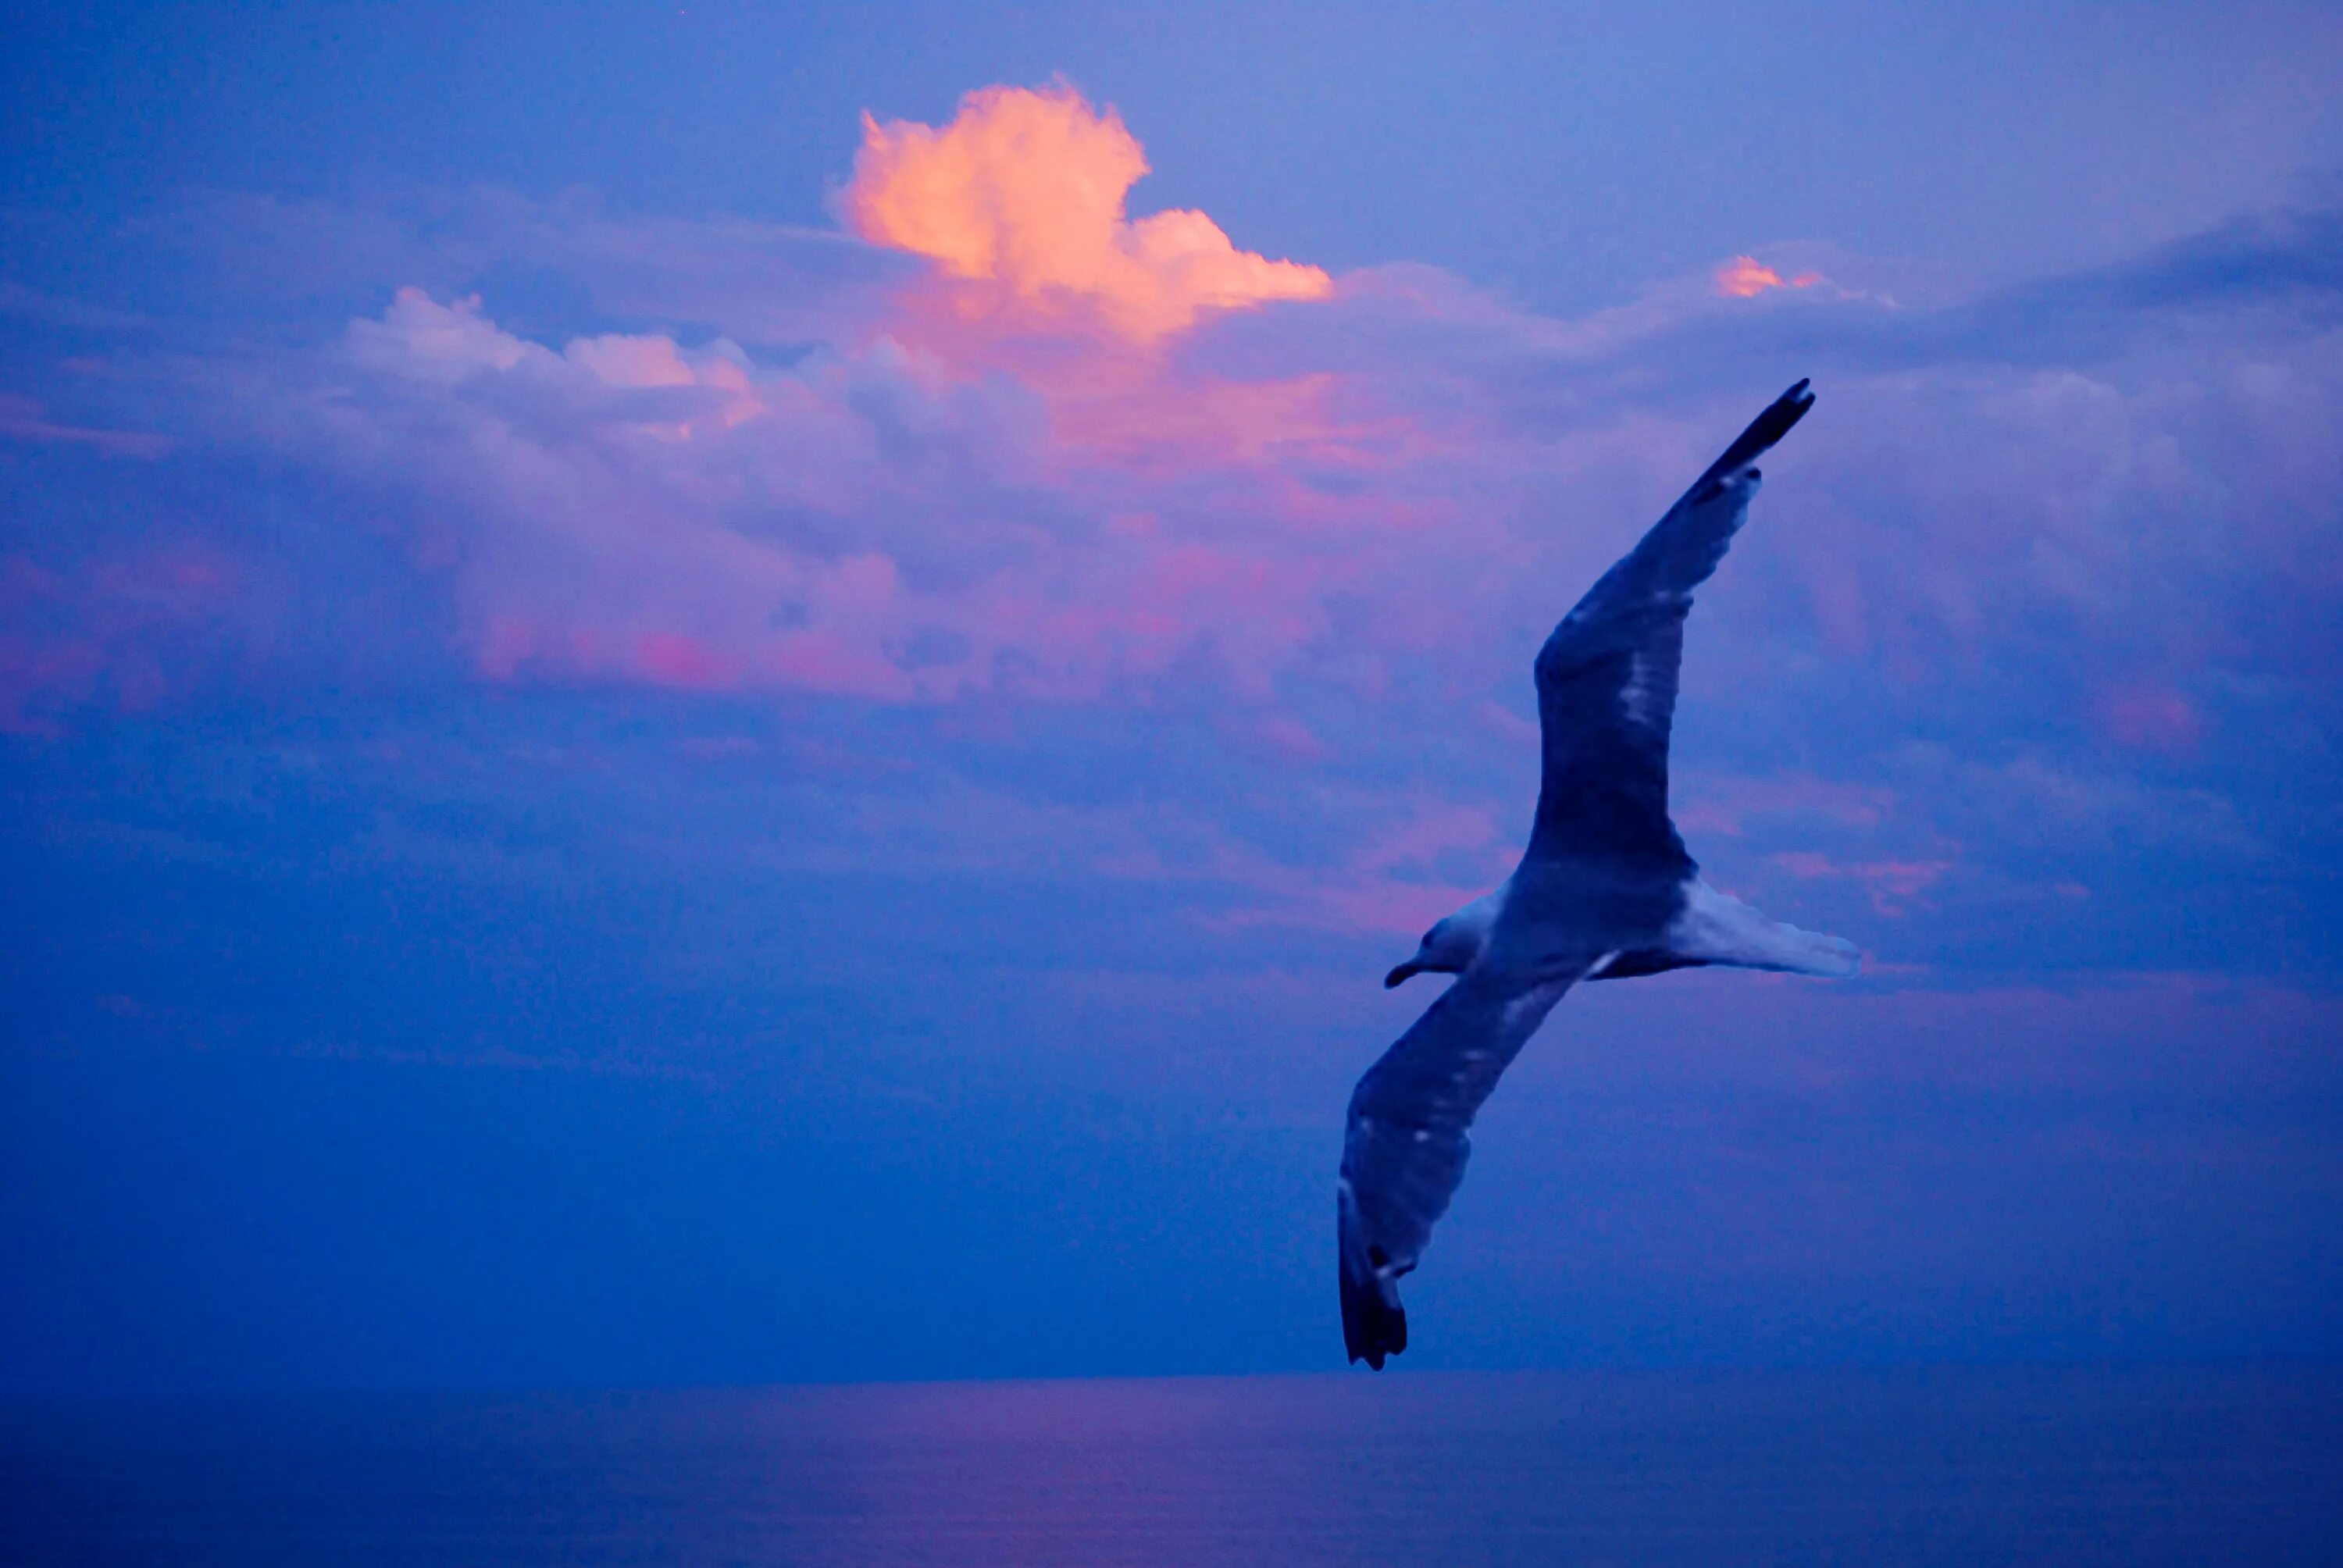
1450,947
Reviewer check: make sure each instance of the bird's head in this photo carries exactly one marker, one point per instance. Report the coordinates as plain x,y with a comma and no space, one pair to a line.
1451,945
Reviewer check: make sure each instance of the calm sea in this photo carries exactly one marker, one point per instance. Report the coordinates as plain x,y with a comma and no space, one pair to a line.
2189,1465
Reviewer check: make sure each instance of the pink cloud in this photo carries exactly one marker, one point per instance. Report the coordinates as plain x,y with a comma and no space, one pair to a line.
1042,277
1034,361
1034,450
1892,885
1021,200
671,659
1391,884
1714,803
23,418
638,495
119,629
1745,276
2154,718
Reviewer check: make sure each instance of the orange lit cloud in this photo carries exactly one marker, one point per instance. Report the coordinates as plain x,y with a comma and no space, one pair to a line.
1041,277
1024,191
1745,276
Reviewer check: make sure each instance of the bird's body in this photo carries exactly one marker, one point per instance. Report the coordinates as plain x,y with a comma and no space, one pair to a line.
1605,891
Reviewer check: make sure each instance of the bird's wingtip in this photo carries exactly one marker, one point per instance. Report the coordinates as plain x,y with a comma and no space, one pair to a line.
1740,458
1790,406
1374,1325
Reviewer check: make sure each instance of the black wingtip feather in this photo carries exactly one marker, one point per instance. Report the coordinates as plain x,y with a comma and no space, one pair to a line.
1763,431
1373,1329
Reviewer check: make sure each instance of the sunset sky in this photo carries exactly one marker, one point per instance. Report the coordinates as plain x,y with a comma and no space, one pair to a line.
725,693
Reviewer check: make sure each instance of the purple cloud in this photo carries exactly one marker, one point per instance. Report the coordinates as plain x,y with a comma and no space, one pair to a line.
2049,557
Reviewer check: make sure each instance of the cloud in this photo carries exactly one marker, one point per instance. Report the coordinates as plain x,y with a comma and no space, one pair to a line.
1014,460
129,631
23,419
2155,718
1021,200
1891,885
1709,803
867,521
1745,276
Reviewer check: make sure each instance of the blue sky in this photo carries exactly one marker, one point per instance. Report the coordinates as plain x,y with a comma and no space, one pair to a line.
654,733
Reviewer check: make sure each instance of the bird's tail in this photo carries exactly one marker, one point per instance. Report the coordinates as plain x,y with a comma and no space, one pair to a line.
1715,928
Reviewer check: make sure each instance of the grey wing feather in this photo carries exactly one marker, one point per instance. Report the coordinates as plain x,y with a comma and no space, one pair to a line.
1606,678
1405,1150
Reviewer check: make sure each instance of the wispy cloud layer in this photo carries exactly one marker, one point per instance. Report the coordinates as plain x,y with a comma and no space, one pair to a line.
1010,458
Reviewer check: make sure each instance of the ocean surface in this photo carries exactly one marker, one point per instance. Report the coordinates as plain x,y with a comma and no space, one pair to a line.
1951,1466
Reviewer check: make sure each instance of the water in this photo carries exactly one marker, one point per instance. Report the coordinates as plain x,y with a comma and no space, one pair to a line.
2132,1465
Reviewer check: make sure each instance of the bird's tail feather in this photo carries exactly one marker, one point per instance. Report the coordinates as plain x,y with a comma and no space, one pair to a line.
1713,928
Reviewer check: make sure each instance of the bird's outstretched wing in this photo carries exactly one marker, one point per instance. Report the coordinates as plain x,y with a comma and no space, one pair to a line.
1606,678
1404,1152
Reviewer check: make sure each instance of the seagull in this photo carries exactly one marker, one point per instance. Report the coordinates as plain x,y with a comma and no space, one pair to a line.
1605,891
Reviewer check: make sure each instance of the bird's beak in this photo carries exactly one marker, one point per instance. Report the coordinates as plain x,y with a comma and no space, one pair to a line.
1400,973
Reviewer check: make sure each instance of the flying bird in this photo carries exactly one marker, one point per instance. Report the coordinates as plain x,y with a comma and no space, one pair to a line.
1605,891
